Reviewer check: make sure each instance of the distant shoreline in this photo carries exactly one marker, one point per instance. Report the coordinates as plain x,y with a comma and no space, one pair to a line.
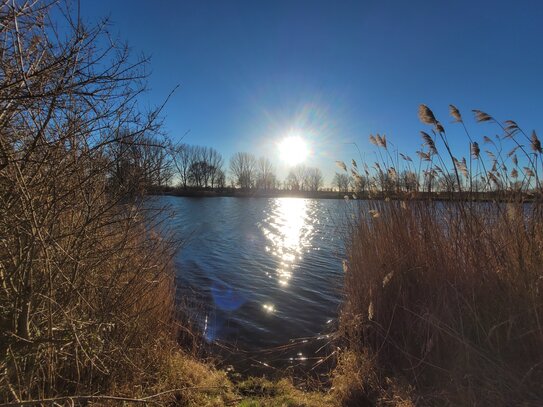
419,196
236,193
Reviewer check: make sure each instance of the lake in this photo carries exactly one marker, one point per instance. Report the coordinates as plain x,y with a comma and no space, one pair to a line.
260,273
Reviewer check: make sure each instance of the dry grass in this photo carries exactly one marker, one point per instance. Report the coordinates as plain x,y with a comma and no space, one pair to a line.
445,299
259,392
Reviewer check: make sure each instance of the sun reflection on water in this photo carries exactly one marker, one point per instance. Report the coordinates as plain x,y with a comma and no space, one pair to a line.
289,229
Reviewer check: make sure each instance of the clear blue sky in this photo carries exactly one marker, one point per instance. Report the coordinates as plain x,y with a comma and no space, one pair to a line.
335,70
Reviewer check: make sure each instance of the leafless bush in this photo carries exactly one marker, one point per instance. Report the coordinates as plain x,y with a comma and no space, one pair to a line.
86,288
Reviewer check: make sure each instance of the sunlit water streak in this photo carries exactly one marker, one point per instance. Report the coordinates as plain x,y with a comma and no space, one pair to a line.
261,271
289,227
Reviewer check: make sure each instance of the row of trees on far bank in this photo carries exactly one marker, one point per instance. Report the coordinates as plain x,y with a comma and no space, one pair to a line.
147,159
248,172
204,167
143,160
198,167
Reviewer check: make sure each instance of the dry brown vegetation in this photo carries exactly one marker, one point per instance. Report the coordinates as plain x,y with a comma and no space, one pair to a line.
87,296
86,288
444,300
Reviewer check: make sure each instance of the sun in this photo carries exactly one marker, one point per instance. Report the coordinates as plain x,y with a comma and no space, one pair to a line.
293,150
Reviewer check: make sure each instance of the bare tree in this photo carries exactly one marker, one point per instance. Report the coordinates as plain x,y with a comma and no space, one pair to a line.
409,181
199,174
216,163
446,182
292,183
243,169
430,180
219,179
314,179
198,167
360,183
265,178
206,154
297,178
150,161
182,160
341,182
385,181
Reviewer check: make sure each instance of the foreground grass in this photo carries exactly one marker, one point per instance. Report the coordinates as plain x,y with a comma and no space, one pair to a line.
181,379
262,392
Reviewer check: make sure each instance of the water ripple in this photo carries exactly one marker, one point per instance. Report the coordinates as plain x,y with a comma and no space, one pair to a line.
264,270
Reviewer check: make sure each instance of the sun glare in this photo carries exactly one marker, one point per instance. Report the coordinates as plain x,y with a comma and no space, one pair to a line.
293,150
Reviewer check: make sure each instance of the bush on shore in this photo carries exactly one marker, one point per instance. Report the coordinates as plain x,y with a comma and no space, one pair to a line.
86,287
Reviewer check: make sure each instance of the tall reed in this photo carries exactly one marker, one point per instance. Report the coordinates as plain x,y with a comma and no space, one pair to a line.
444,291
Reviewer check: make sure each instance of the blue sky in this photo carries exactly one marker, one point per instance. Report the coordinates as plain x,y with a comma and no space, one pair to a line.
334,71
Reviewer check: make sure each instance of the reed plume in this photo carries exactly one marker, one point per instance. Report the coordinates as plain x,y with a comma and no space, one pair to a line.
481,116
535,143
475,150
455,113
426,115
429,142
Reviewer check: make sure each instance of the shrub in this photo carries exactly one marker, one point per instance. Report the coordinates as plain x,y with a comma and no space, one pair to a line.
86,288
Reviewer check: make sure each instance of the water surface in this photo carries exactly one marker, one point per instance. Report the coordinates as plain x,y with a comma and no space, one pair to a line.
261,271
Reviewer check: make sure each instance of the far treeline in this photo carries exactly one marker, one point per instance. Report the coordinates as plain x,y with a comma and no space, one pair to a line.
154,163
161,166
190,168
